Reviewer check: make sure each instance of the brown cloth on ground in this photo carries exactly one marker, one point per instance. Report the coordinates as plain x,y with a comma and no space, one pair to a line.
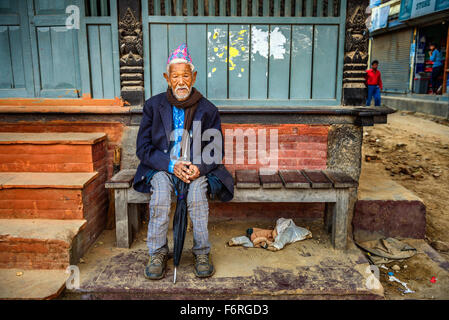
387,250
262,238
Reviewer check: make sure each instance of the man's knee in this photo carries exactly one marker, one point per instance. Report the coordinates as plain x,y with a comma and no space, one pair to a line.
161,187
197,191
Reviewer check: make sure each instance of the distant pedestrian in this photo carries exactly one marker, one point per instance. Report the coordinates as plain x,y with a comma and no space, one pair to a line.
437,67
374,84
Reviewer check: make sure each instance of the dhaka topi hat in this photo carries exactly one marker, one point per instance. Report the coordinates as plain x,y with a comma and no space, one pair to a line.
180,55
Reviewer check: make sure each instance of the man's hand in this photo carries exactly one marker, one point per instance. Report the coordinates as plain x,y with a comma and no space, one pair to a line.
182,171
194,172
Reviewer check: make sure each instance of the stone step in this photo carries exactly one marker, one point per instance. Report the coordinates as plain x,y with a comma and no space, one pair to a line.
384,208
52,152
39,243
31,195
38,284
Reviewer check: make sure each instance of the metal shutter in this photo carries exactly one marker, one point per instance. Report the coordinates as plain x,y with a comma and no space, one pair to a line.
393,52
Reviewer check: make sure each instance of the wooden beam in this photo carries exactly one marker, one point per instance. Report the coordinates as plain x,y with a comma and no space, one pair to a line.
446,64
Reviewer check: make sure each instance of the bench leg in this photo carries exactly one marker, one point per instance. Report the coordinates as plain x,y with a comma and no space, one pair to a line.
340,220
328,216
123,230
134,218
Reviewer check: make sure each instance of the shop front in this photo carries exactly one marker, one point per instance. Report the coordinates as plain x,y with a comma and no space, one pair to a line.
402,33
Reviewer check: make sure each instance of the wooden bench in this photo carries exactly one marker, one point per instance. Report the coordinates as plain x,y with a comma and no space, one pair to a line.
330,187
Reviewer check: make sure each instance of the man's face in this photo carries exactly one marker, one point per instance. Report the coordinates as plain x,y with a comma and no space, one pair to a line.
432,47
181,80
374,66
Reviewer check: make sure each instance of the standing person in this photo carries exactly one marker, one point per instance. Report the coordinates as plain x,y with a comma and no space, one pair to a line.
437,67
374,84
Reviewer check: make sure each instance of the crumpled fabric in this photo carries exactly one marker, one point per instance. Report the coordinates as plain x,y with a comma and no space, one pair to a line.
284,233
387,250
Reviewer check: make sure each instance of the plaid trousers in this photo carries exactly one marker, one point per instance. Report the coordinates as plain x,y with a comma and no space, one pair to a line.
197,207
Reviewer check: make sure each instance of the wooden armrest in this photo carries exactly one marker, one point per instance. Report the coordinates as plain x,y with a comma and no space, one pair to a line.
121,180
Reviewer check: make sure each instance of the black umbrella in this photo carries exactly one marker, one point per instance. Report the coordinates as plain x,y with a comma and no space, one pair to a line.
179,221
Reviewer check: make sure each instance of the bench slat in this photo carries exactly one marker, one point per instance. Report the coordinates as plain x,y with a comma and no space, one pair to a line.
270,180
317,178
340,179
123,179
294,179
247,179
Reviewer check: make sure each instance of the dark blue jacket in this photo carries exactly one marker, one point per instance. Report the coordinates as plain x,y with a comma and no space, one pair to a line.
153,142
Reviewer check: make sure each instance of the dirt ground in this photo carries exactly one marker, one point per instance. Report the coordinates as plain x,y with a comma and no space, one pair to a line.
414,149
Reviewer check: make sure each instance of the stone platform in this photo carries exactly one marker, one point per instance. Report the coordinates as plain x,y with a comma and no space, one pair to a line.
384,208
310,269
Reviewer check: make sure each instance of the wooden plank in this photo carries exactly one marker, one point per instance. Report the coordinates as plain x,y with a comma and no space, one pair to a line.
266,8
18,70
247,179
259,62
309,8
176,36
159,54
123,227
93,8
201,8
340,220
179,8
95,61
217,57
238,61
284,195
277,8
279,62
7,79
244,8
294,179
115,47
196,40
330,8
340,179
106,62
255,8
104,8
222,7
123,179
270,181
190,8
233,7
301,64
317,179
298,8
325,62
211,7
319,8
287,8
168,7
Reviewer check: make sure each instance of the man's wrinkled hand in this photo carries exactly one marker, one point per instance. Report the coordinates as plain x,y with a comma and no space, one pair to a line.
182,171
194,172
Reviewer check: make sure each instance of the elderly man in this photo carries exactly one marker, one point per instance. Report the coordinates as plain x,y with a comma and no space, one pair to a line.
159,140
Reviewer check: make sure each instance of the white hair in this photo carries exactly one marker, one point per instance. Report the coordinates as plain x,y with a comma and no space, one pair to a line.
179,60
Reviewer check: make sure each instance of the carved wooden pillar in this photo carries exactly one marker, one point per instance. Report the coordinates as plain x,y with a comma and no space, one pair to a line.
356,53
131,51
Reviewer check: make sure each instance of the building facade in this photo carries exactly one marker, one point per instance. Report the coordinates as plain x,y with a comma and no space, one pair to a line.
87,66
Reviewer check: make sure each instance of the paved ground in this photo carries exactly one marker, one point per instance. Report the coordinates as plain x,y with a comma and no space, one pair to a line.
304,270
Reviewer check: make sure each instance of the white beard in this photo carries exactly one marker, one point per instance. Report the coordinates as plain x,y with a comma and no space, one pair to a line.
180,97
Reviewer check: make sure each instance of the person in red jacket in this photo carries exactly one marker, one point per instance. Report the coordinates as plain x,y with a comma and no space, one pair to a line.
374,84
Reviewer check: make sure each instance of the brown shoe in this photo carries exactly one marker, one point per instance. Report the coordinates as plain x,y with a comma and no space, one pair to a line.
156,267
203,266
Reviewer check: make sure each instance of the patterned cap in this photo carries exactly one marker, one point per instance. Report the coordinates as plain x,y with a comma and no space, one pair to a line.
180,55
